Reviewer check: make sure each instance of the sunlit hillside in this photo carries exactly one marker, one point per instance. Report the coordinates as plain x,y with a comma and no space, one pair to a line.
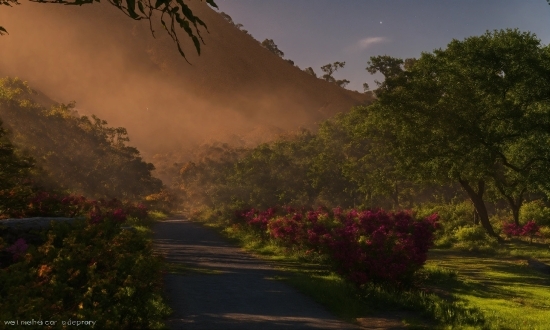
113,67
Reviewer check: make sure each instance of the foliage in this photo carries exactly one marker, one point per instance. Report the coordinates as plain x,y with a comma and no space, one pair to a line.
474,239
545,233
339,165
48,204
367,246
310,71
84,271
15,173
535,210
530,229
76,153
238,25
329,69
270,45
178,14
476,112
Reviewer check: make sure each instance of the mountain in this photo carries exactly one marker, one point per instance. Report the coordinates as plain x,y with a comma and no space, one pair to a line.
113,67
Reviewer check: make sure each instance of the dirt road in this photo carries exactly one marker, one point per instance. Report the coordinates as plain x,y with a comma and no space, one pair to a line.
229,288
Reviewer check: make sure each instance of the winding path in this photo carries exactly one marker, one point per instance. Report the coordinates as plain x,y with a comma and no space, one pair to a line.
234,291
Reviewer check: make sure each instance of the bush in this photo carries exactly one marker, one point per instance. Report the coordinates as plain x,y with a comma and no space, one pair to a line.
536,211
84,271
452,217
474,239
530,229
545,233
366,246
470,234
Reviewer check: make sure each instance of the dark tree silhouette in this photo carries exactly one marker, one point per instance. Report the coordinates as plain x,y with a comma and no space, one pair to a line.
329,69
270,45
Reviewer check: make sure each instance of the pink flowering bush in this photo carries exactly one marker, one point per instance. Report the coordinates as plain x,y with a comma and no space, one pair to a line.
511,229
365,246
47,204
530,229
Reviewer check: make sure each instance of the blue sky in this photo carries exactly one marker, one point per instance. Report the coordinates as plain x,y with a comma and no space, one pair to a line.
316,32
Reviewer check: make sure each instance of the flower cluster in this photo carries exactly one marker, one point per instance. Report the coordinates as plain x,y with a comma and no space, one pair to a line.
50,204
365,246
530,229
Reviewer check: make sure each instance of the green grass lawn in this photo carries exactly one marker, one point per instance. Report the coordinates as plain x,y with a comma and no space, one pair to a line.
510,293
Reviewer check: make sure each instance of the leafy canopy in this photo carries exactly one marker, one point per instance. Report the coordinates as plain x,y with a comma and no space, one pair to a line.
475,112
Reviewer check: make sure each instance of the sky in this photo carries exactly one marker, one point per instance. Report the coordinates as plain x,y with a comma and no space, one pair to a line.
313,33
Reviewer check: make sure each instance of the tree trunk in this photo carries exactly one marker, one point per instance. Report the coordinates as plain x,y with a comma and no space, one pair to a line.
395,196
515,205
476,217
479,204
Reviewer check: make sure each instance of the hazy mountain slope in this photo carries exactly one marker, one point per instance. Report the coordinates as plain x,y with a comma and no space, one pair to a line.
114,68
80,154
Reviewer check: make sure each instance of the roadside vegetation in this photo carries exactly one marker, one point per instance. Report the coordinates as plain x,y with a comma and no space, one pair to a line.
431,206
99,267
460,135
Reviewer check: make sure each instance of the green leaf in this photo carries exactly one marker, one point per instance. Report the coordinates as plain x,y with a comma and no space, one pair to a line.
131,4
140,6
160,2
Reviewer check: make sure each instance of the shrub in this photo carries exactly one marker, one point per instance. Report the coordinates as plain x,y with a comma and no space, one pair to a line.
544,232
453,216
530,229
474,239
536,211
85,271
365,246
470,233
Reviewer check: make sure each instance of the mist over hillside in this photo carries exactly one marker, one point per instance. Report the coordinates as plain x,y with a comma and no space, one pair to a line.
113,67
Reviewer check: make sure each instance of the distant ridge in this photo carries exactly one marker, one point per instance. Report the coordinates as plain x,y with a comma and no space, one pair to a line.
114,68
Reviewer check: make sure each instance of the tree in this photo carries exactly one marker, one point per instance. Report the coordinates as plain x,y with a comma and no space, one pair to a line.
14,175
310,71
270,45
477,112
329,69
227,18
366,87
179,15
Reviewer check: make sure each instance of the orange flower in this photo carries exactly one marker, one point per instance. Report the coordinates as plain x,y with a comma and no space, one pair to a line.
44,270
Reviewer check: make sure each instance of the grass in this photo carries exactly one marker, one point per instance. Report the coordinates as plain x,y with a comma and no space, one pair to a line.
510,293
182,269
456,289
